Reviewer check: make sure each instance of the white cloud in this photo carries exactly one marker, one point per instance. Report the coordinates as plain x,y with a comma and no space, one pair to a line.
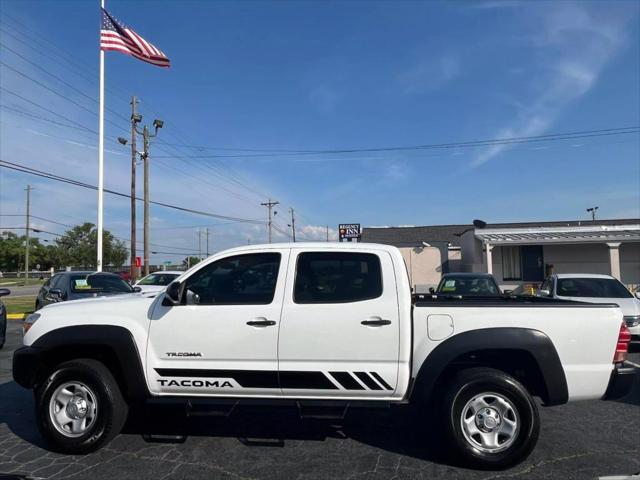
573,43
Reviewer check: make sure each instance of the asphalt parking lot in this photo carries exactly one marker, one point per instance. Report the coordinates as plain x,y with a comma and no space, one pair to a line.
578,441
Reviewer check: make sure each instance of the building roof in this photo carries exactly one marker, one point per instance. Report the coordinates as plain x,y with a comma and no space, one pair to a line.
412,236
451,234
582,234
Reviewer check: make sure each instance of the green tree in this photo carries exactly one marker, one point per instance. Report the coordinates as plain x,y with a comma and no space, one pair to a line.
12,253
190,261
78,247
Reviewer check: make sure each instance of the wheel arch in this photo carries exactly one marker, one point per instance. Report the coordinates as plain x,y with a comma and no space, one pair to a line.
113,346
527,354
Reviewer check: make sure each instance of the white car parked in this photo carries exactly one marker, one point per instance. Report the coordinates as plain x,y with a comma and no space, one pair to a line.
593,288
157,281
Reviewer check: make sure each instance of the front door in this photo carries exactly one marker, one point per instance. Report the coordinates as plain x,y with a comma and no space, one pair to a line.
223,339
340,330
532,263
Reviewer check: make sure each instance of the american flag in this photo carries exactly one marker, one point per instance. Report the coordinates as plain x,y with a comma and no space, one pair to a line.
115,36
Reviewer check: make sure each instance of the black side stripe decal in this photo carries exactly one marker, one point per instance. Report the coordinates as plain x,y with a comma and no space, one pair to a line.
258,378
283,379
346,380
308,380
381,381
368,381
245,378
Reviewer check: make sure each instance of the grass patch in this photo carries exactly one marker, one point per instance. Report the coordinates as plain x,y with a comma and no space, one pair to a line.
24,304
20,282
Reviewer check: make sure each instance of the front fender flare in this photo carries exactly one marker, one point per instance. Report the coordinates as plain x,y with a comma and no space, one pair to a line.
30,362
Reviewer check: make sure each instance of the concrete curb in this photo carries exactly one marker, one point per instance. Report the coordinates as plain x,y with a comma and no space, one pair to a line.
16,316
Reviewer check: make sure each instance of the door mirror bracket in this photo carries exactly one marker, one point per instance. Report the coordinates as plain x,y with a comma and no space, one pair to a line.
173,294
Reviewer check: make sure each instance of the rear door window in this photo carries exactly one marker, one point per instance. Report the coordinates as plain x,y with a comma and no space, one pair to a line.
337,277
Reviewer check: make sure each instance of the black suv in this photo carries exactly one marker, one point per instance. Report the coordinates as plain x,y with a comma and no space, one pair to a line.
76,285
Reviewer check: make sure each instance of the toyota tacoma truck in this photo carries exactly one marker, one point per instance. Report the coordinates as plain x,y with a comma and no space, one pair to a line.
320,325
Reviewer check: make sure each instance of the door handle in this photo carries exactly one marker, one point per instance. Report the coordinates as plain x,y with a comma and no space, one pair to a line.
375,322
261,322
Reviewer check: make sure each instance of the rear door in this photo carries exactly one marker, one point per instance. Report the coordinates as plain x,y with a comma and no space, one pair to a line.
339,333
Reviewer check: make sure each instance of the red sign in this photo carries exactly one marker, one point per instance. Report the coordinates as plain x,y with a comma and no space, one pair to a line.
138,261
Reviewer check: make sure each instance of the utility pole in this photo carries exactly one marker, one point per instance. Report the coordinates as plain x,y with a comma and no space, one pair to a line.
327,233
145,158
133,268
206,232
293,225
270,206
157,124
26,253
199,246
592,210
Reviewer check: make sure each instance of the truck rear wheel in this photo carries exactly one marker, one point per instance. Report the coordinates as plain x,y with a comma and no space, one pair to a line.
79,407
491,420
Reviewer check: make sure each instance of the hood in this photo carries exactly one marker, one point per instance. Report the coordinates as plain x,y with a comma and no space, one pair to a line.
120,301
629,306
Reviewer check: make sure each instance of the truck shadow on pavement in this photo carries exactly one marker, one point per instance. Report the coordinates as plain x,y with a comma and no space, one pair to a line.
395,430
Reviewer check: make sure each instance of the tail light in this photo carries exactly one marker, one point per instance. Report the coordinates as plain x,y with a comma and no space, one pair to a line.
622,347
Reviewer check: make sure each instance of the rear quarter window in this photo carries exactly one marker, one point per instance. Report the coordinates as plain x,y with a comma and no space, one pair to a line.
337,277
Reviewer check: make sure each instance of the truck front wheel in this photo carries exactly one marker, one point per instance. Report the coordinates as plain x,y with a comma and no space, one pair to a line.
491,420
79,407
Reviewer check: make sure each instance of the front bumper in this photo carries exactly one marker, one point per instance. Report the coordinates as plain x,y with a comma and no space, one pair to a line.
620,383
26,364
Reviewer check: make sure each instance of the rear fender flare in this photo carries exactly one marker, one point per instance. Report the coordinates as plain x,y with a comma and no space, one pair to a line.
531,341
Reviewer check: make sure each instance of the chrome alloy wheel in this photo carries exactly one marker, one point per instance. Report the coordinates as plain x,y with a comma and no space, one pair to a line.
73,409
490,422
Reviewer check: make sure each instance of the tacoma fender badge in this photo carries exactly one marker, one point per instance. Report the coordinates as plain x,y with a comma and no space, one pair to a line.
183,354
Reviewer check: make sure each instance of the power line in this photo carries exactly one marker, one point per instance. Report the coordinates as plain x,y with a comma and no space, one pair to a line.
61,80
79,125
55,92
465,144
40,173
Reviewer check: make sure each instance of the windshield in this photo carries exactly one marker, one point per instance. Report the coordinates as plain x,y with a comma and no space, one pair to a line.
99,283
591,287
472,286
163,279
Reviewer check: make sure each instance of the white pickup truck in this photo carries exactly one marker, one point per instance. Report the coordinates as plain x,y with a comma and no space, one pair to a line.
320,324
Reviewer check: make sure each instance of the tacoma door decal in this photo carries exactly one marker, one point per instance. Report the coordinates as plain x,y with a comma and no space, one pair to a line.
302,380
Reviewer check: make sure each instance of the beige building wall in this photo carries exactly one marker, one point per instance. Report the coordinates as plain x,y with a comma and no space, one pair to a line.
424,265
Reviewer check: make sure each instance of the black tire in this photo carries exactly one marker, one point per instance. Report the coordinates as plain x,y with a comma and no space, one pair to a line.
111,411
473,383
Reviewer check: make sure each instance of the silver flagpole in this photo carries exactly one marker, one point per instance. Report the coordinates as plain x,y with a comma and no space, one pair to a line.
100,155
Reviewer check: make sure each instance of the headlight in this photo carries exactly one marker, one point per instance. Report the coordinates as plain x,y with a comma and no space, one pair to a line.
29,321
632,320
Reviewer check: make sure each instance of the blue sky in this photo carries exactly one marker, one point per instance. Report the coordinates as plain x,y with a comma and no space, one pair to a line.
330,75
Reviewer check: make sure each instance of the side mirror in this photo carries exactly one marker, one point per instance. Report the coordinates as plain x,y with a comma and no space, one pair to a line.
638,294
432,290
4,292
137,289
55,295
173,294
508,292
544,293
